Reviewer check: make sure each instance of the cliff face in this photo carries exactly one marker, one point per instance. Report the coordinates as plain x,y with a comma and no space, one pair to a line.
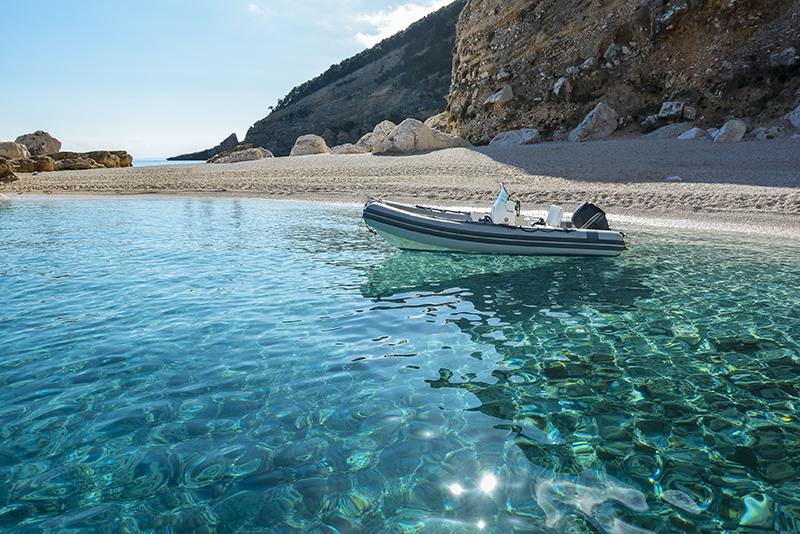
406,75
561,57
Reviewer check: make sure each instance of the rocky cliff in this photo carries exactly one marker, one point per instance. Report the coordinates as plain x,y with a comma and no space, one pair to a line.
406,75
229,142
546,63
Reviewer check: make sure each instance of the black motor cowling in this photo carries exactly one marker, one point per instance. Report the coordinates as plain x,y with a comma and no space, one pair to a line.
589,217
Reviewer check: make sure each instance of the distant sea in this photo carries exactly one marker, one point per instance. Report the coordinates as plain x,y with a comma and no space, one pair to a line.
149,162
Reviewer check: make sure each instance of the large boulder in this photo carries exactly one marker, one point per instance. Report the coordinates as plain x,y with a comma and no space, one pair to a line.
40,143
794,117
348,148
732,132
6,171
228,152
104,158
601,122
248,154
309,144
65,155
524,136
671,131
374,138
76,164
23,165
13,150
694,133
413,136
125,159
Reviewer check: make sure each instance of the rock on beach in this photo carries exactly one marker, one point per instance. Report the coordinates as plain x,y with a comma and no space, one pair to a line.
601,122
309,144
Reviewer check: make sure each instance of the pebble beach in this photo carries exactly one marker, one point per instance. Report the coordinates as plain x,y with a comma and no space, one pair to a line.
748,186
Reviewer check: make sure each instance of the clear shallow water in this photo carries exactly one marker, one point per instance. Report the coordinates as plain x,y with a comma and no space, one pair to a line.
193,365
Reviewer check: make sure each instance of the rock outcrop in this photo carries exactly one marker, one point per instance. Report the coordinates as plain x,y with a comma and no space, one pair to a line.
560,59
406,75
12,150
204,155
40,143
68,161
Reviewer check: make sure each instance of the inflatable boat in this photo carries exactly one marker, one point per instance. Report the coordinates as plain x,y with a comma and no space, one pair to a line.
501,231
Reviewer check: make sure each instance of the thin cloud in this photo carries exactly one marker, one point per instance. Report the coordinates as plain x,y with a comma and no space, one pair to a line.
385,24
252,8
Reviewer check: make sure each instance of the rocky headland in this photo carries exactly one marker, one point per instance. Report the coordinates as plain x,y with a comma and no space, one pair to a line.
41,152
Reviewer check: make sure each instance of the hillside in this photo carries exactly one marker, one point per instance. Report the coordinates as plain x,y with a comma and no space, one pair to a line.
725,58
406,75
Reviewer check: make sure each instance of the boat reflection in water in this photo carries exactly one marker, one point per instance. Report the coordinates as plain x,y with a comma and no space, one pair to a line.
558,385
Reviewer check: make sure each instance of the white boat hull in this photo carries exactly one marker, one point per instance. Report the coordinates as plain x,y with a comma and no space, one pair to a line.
418,228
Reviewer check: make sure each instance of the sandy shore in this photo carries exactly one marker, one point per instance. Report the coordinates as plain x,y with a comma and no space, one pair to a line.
743,186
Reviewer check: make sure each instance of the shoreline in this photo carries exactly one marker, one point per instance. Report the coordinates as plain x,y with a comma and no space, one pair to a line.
747,186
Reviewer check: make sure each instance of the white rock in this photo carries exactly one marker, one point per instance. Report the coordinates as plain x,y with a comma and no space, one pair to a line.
563,89
598,124
694,133
524,136
250,154
590,63
794,117
374,138
384,127
348,148
412,136
309,144
673,179
506,94
732,132
13,150
766,134
712,132
671,110
786,58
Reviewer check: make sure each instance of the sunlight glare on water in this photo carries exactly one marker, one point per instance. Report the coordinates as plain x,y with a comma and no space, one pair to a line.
231,365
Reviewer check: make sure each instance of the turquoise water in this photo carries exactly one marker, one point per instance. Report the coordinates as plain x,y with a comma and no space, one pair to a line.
193,365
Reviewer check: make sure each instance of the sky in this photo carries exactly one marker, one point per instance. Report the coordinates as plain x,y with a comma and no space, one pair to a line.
160,78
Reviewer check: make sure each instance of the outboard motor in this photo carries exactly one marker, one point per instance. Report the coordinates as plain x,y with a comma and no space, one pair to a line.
590,217
503,211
